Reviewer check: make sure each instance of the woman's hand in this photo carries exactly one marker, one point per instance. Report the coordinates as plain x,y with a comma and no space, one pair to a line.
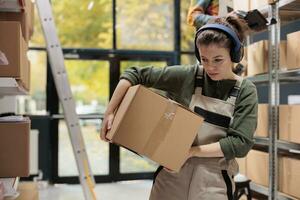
106,126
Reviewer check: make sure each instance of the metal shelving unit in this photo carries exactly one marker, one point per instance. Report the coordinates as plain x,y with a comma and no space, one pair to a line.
10,86
283,77
283,11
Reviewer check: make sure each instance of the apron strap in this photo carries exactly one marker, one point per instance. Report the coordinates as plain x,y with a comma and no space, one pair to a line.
234,93
199,76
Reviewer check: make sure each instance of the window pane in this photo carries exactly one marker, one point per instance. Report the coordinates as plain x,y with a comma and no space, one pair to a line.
35,103
90,85
188,59
187,31
85,23
97,150
147,25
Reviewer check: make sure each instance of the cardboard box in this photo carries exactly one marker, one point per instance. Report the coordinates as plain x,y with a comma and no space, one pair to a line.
241,5
257,163
262,121
257,4
14,148
14,48
28,191
154,126
25,18
289,176
24,80
289,123
293,49
258,56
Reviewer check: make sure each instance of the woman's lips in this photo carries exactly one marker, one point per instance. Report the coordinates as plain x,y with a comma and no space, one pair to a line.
212,74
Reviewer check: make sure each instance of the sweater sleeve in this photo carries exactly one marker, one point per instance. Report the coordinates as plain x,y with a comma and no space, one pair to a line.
239,138
168,78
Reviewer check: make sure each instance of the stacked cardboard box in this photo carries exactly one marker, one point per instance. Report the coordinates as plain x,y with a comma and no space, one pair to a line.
262,121
257,167
293,49
247,5
14,148
288,123
289,176
16,30
154,126
258,57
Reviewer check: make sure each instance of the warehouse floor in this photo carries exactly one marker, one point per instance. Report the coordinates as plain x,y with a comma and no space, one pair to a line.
133,190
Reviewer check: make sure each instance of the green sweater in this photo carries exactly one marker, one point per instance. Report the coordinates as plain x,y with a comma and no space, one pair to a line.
179,83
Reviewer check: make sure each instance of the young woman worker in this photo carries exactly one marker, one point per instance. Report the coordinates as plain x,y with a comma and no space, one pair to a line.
226,101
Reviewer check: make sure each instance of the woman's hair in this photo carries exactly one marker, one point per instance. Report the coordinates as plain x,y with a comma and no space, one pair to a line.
238,25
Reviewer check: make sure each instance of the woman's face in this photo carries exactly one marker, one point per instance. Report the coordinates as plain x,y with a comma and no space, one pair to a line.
216,62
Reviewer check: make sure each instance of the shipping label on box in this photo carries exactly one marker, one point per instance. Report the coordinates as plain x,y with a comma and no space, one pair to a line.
155,127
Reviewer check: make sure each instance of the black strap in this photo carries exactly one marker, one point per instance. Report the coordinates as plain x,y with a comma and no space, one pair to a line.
156,173
199,82
228,184
234,92
213,118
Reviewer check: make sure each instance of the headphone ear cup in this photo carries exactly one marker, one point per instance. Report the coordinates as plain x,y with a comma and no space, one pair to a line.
238,55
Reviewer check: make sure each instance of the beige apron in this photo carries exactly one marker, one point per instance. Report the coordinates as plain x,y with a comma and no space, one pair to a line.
202,178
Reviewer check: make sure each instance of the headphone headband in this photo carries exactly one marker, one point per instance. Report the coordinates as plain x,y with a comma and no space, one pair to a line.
225,29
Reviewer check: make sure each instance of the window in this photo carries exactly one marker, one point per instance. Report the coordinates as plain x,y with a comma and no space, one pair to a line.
97,150
147,25
84,24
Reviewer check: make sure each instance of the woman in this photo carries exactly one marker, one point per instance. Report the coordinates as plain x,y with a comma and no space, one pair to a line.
226,101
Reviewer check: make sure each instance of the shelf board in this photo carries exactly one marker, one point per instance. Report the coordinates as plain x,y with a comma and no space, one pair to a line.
283,146
10,86
11,6
289,10
285,76
265,191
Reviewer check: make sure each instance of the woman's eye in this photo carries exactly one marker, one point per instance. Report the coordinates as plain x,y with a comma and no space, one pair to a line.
204,60
218,60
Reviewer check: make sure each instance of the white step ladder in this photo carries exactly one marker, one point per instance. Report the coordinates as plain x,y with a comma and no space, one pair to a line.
65,96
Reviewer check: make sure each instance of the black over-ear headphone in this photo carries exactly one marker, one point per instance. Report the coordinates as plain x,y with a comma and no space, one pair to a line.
236,52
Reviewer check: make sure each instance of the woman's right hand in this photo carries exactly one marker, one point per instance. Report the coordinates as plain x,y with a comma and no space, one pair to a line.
106,126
